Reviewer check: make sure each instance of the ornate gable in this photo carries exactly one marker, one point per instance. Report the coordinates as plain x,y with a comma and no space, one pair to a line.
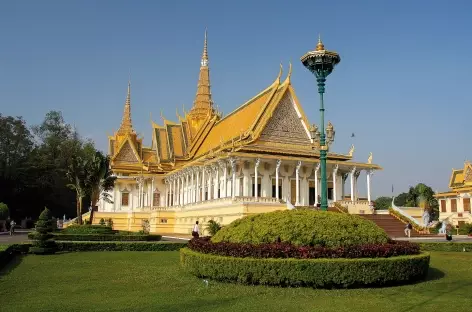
467,173
285,125
126,154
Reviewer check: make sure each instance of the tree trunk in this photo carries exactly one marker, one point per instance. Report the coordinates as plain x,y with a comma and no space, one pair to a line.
79,211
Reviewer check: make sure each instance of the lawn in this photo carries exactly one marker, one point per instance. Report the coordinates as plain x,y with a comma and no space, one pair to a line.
153,281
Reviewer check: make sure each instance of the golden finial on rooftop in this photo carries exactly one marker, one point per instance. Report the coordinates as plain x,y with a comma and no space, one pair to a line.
126,124
320,45
205,51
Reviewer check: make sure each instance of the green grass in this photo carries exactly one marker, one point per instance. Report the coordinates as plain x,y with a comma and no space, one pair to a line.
153,281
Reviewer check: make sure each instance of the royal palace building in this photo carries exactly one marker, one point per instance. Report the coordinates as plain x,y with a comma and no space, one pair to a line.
454,205
206,166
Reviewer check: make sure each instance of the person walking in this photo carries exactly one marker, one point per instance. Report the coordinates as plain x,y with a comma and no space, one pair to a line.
12,227
196,230
408,228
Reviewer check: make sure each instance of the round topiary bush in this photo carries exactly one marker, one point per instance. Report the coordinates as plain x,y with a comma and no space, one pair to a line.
322,273
303,228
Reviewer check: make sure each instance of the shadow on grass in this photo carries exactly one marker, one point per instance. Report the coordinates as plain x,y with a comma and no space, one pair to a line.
11,265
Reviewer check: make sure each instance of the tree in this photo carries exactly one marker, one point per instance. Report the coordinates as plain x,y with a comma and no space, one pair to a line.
42,235
99,180
4,213
383,203
412,197
400,199
213,227
77,175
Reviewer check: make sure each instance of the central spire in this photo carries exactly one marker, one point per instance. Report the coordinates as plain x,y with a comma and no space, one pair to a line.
126,124
203,104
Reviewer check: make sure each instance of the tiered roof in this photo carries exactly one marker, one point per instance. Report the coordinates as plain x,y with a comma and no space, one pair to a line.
270,123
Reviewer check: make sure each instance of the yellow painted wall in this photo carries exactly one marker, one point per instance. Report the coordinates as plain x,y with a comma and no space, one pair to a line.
182,222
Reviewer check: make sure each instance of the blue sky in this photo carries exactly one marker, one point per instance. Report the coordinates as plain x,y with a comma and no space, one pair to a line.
403,84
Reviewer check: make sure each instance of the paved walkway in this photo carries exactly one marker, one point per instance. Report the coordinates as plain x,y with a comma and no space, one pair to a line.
16,238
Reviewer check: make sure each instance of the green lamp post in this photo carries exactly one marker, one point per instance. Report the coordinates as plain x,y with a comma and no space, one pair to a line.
321,63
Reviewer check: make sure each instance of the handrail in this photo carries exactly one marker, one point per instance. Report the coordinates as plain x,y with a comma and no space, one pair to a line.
410,218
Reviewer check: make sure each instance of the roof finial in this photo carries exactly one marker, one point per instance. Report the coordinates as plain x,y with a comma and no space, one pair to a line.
320,45
205,51
126,125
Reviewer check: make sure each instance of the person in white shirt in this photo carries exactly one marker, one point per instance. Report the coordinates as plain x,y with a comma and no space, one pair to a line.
196,230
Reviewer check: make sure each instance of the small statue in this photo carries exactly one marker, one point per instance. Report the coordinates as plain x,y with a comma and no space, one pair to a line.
369,160
351,151
426,217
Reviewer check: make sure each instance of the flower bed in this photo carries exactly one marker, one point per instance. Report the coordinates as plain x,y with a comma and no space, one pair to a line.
324,273
286,250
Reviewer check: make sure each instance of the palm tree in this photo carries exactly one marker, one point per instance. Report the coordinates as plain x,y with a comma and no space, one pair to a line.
100,180
76,174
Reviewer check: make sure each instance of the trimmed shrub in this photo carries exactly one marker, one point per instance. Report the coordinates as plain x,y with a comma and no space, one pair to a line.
105,237
102,221
3,211
213,227
284,250
446,246
303,228
10,251
43,233
322,273
87,229
119,246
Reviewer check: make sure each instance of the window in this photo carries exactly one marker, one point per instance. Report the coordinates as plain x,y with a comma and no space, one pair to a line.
163,221
454,205
124,199
466,202
443,205
156,200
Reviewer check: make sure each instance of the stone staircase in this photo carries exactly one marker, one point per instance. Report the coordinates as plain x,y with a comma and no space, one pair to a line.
391,225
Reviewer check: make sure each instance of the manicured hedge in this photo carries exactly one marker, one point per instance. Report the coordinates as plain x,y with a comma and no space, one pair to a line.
303,228
101,237
446,246
8,253
119,246
88,229
285,250
322,273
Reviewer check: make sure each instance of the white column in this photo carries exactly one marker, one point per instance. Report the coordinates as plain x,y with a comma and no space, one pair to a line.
344,178
217,181
192,190
209,184
197,189
335,172
256,189
297,183
369,174
356,176
181,189
317,169
166,181
277,168
203,183
233,172
225,180
353,172
173,192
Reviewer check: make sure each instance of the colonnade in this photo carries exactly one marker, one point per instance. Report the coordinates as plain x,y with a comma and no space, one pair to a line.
228,178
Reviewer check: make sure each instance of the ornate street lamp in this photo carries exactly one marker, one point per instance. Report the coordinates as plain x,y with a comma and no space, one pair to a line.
321,63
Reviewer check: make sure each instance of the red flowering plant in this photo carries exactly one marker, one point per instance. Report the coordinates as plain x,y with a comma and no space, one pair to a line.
287,250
